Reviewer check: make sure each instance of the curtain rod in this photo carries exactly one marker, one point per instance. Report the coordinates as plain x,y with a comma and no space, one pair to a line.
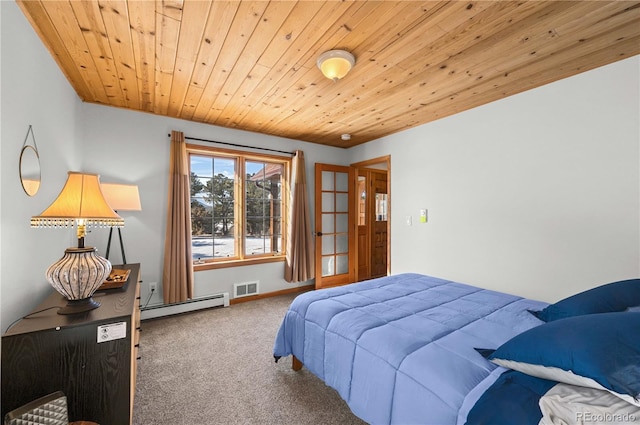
236,145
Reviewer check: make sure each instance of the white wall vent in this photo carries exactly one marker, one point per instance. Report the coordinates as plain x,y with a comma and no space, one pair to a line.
245,289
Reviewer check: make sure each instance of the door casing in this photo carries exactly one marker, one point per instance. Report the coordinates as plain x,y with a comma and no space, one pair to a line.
380,163
352,275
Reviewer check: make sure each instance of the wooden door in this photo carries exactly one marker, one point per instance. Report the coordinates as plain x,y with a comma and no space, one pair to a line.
373,215
372,223
364,220
335,225
379,218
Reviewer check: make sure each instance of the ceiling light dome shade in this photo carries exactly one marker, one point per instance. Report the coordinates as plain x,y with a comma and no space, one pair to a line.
335,64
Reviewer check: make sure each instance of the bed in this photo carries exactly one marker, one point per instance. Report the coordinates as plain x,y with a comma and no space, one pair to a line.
415,349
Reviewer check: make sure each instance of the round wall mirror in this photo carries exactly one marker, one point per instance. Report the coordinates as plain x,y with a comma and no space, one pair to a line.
30,170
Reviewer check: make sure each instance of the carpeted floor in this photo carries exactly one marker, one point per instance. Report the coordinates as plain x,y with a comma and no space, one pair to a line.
216,367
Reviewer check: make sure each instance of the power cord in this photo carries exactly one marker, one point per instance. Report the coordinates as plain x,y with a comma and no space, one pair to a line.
28,316
149,299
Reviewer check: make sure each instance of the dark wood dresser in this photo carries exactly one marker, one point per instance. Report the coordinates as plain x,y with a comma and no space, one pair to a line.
89,356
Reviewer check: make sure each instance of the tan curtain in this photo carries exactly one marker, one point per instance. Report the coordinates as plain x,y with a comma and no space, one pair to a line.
299,265
177,275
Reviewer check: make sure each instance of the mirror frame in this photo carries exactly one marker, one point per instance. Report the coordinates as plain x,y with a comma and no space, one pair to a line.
29,157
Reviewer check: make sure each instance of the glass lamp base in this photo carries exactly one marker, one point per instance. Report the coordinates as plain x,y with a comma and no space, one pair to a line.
76,276
79,306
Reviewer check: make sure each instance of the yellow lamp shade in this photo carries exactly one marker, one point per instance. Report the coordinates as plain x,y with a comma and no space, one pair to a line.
81,199
122,197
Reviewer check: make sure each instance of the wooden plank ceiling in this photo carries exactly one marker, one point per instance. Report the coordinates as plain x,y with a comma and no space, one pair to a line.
252,64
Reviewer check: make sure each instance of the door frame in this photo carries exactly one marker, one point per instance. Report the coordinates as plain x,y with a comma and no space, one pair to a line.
385,161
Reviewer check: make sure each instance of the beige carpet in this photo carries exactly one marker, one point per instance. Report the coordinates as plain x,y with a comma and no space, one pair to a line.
216,367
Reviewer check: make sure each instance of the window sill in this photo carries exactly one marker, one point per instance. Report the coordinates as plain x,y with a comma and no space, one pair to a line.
237,263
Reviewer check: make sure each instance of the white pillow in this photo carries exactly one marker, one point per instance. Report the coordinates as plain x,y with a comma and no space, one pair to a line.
560,375
569,404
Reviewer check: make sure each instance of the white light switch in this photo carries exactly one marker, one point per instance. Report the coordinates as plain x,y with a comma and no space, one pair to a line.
423,216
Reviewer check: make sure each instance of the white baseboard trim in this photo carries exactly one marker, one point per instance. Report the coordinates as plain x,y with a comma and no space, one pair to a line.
161,310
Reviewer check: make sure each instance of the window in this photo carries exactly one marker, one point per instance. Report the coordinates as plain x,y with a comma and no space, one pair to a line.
237,206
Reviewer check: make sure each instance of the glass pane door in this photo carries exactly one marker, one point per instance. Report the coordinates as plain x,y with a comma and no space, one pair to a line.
333,224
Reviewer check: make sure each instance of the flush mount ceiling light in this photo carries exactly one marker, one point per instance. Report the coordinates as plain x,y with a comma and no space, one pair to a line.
335,64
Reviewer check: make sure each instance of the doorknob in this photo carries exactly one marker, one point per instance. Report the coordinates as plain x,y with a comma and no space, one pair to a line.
318,233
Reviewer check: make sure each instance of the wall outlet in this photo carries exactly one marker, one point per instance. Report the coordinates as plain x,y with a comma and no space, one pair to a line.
153,287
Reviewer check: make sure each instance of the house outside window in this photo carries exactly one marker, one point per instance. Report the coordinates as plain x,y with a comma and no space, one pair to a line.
238,205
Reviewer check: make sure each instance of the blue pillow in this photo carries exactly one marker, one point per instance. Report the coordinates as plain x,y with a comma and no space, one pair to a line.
616,296
512,399
596,350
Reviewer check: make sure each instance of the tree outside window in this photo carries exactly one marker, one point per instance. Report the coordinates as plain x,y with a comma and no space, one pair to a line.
233,218
263,194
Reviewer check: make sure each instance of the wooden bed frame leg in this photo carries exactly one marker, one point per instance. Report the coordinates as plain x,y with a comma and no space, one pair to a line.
296,364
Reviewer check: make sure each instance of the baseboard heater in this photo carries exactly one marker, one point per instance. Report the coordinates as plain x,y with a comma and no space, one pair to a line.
161,310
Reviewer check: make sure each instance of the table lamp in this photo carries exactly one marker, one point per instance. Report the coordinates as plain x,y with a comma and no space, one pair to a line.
120,197
81,271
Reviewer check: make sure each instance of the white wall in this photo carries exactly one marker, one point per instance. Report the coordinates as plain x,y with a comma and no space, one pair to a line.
536,194
133,147
35,92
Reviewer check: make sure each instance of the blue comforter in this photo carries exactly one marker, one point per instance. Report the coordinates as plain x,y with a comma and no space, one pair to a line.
400,349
